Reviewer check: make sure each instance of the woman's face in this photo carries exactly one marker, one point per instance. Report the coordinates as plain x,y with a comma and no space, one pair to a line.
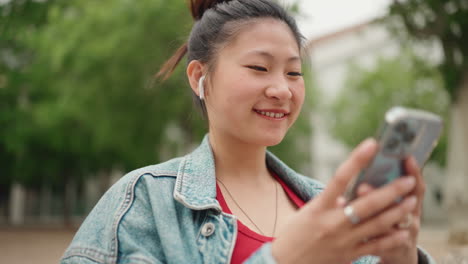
256,90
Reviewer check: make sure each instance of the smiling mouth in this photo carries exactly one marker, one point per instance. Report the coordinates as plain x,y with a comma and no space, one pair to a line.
276,115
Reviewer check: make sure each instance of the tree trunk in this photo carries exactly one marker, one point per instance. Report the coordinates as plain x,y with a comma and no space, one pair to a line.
69,201
17,204
92,191
45,204
457,168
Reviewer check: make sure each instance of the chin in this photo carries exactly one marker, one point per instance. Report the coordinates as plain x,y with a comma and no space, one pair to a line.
270,140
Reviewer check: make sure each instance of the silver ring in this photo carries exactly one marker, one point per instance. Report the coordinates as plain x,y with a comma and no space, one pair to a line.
406,223
349,212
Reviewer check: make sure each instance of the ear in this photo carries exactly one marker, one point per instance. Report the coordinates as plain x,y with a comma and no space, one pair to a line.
194,73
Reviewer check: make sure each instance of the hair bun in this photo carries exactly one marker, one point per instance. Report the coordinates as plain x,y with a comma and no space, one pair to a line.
198,7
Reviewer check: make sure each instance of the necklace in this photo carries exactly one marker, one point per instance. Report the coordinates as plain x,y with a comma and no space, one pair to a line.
253,223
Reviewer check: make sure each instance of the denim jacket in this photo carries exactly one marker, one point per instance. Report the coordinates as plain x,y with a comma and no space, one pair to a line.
168,213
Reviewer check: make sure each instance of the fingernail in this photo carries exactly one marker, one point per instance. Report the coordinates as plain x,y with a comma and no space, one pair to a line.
413,163
368,142
409,181
411,202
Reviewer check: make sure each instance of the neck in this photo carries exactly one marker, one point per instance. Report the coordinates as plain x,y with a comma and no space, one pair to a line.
237,160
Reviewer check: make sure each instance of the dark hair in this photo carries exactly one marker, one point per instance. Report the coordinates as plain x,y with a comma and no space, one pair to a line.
219,21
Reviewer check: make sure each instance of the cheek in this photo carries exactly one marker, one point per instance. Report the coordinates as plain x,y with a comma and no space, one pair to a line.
299,94
242,89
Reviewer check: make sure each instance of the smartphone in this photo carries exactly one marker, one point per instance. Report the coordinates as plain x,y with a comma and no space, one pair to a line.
405,132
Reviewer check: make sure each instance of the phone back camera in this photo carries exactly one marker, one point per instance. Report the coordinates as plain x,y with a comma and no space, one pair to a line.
408,136
392,144
401,127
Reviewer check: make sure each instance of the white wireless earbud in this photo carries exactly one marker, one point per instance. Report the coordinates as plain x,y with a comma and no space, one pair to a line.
201,87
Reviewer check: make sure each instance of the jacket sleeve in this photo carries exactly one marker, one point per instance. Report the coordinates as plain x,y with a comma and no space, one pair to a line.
264,256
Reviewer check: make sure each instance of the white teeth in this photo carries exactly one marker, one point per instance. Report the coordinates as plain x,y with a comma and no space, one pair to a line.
271,114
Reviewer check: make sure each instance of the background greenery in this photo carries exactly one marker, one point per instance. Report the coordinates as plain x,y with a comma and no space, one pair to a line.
81,100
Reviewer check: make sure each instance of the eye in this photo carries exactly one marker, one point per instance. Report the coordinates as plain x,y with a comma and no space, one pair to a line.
295,74
257,68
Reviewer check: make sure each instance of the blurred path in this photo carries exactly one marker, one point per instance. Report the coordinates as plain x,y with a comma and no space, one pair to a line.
434,240
31,245
46,246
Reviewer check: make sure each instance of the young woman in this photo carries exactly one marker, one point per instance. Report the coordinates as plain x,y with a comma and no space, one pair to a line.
232,201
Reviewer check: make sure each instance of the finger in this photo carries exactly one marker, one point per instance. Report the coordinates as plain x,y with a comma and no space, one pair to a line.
357,160
364,189
340,202
385,221
382,244
413,169
383,197
414,228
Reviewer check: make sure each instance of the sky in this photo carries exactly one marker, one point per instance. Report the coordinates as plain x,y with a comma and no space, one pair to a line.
327,16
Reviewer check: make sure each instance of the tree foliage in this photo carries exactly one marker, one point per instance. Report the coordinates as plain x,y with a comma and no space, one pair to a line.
444,21
404,80
77,95
18,19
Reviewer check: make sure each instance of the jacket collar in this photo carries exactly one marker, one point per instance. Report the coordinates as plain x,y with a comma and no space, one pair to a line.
195,185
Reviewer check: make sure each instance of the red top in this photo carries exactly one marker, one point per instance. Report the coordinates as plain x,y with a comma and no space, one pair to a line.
249,241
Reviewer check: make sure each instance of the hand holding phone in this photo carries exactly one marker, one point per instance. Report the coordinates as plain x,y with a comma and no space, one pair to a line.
404,132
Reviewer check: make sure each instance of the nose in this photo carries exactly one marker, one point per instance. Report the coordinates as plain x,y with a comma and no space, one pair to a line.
279,89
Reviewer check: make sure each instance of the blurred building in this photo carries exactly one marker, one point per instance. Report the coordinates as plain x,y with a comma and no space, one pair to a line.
331,56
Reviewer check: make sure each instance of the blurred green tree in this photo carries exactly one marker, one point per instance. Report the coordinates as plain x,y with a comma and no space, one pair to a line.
443,21
404,80
17,20
99,58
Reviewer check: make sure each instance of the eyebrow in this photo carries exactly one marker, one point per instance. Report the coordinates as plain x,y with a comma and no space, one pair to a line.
270,56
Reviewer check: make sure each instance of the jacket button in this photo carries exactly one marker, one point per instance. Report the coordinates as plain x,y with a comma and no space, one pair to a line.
208,229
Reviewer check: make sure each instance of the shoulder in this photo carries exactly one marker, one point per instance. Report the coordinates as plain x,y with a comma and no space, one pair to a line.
145,175
97,237
158,178
168,168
